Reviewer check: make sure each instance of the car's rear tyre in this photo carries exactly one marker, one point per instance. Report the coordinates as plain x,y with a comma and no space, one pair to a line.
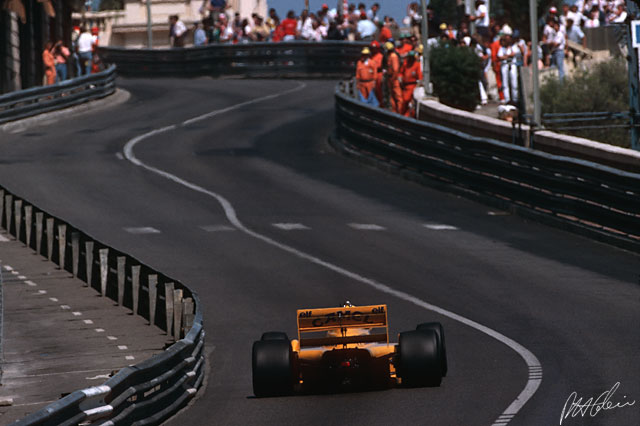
273,368
418,362
437,327
274,335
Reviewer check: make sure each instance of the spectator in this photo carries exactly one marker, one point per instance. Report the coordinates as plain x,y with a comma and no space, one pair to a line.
177,31
260,30
289,26
495,46
548,34
335,32
575,15
506,56
384,30
199,35
85,50
273,20
60,55
49,64
483,51
620,15
214,7
365,78
594,20
226,29
366,28
481,18
372,13
557,53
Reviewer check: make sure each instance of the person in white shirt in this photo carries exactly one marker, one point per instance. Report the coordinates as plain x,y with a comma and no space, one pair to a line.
481,18
177,31
557,53
366,28
620,15
575,15
594,20
548,33
508,70
85,49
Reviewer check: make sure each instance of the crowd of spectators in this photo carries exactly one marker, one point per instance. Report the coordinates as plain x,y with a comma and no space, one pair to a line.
60,62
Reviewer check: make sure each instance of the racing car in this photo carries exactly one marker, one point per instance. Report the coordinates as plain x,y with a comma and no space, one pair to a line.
347,346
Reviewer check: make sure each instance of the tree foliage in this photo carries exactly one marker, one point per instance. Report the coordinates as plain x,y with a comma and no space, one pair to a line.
603,87
455,71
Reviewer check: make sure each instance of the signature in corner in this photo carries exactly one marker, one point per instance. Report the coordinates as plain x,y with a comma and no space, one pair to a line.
574,406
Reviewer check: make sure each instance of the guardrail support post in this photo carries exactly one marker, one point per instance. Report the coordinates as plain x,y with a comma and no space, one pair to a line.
75,252
1,205
28,218
7,212
39,220
17,212
177,314
104,270
135,287
62,244
168,302
153,292
121,277
187,314
50,238
88,247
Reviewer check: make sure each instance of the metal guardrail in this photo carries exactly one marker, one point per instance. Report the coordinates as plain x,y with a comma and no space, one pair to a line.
143,394
327,59
598,201
38,100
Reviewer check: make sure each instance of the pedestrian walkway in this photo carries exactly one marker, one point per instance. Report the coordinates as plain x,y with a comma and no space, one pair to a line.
58,334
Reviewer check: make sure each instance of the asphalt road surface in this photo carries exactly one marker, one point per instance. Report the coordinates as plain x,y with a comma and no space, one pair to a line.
243,200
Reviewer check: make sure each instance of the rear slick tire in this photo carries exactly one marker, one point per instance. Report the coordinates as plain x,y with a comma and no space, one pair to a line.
418,361
272,365
437,327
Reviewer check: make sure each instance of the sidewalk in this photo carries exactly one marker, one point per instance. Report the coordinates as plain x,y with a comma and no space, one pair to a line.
58,335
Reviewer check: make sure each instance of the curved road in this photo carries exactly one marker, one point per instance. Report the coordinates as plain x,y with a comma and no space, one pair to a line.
311,229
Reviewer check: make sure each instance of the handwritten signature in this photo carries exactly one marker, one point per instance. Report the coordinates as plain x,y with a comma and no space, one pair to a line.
574,407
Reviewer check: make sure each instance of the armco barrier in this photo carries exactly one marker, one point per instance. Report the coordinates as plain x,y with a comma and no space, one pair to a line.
592,199
38,100
146,393
327,59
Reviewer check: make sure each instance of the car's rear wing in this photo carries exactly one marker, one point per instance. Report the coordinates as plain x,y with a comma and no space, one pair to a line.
342,322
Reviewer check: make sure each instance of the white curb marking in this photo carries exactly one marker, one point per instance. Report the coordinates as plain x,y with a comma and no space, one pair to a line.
291,226
88,321
142,230
367,227
112,338
53,299
22,277
440,227
99,330
217,228
529,358
30,283
122,347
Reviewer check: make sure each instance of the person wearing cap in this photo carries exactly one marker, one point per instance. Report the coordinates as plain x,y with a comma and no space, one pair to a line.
366,78
391,73
385,32
405,46
377,57
410,76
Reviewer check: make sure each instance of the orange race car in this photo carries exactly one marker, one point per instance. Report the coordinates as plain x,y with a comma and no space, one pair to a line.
347,347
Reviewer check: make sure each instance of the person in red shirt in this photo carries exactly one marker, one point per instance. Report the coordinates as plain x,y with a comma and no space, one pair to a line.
406,46
392,72
289,27
366,71
377,57
495,64
410,75
385,33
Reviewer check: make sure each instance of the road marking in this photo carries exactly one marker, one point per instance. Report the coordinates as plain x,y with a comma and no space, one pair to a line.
99,330
42,291
65,306
498,213
119,156
122,347
8,268
53,299
129,357
99,376
88,321
142,230
77,314
30,283
22,277
440,227
112,338
217,228
291,226
15,273
366,227
529,358
4,239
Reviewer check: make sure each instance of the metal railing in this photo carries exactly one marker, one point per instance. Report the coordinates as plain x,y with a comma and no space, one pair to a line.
595,200
145,393
327,59
38,100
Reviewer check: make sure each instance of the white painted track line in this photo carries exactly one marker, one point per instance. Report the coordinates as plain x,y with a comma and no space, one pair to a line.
142,230
366,227
529,358
217,228
291,226
440,227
